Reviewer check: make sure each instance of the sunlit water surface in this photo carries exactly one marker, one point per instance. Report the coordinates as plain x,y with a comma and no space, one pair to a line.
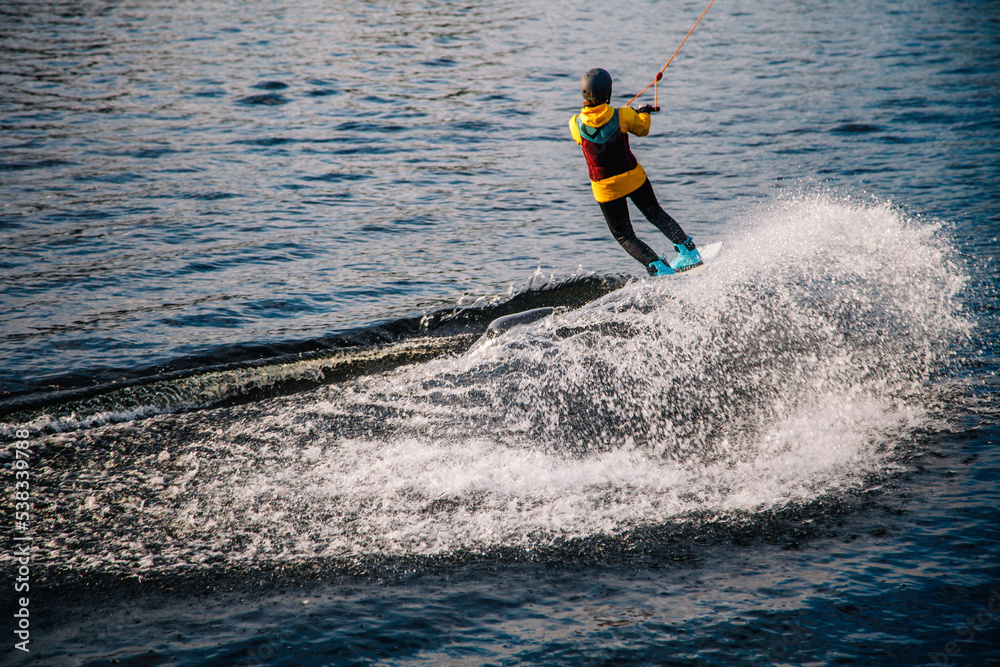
249,252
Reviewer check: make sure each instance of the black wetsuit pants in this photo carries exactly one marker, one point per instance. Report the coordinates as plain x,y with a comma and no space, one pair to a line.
616,214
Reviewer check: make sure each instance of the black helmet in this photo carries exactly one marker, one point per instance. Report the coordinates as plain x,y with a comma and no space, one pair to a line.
595,86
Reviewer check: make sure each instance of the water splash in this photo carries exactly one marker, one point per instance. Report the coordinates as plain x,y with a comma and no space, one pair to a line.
797,313
790,368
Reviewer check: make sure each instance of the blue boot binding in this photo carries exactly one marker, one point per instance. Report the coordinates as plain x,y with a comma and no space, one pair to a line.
660,268
688,256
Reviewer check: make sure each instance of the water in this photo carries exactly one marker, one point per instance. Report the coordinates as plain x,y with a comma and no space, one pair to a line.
248,256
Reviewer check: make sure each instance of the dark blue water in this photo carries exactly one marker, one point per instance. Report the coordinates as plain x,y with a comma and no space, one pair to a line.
249,251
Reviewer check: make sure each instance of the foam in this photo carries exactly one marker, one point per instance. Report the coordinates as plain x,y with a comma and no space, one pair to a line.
789,369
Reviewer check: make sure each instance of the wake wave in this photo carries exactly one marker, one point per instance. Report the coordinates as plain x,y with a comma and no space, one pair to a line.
789,369
239,374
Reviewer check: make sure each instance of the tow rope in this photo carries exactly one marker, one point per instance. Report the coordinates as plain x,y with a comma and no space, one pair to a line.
659,75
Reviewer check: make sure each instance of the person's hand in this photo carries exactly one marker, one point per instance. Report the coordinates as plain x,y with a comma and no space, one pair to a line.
646,108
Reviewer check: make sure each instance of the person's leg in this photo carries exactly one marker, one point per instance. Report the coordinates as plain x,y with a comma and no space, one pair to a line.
616,214
645,200
688,256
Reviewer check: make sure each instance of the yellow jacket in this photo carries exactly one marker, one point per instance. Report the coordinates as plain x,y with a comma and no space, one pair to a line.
614,173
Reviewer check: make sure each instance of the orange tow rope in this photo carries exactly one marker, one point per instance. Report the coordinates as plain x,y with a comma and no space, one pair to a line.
659,75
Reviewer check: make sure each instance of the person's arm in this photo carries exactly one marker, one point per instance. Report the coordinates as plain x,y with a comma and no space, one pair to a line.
575,131
634,121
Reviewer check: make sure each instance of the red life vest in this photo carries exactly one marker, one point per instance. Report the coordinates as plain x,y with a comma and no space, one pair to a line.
606,149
